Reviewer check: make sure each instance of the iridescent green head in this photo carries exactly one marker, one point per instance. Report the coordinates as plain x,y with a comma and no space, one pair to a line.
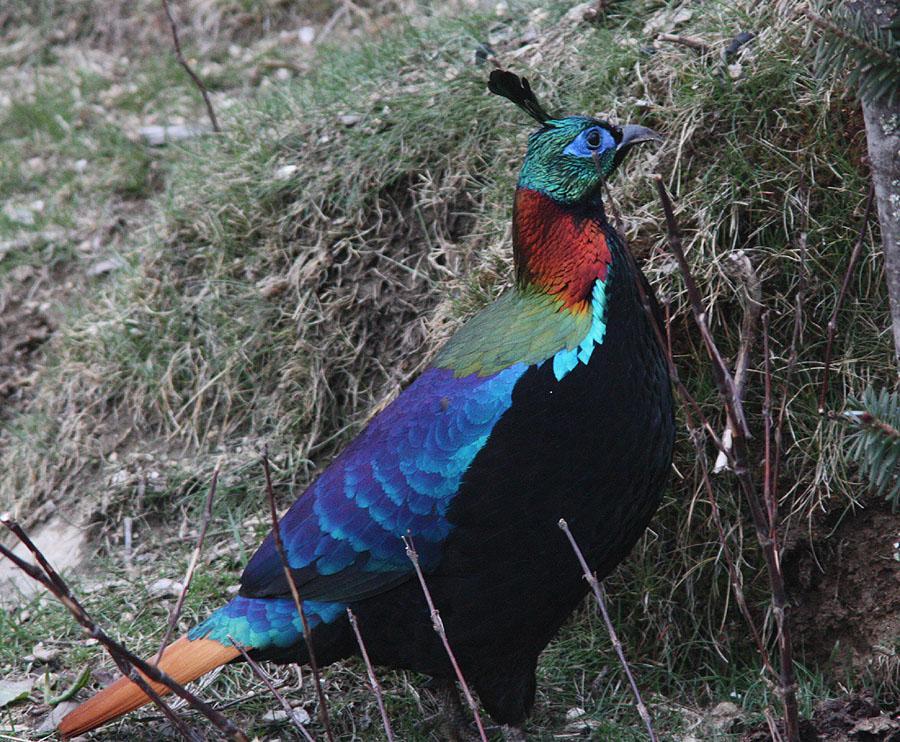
568,158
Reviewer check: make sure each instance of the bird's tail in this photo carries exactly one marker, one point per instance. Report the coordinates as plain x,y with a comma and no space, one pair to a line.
183,660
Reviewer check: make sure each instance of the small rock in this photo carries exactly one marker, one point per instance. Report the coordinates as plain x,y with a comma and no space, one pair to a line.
349,119
165,588
285,172
43,653
306,34
723,715
119,477
574,713
105,266
577,13
157,136
37,165
19,215
80,166
276,716
282,74
667,21
272,286
734,70
744,37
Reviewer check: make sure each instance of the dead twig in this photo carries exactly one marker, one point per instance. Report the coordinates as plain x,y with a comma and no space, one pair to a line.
740,267
288,709
689,41
734,575
439,629
724,381
845,284
597,589
373,679
187,68
130,665
298,602
761,507
192,565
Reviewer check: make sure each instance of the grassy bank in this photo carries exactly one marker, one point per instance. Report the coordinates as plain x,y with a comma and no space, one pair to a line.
287,277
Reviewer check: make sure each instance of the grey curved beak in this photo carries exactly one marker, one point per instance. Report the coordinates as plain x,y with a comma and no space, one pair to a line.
633,134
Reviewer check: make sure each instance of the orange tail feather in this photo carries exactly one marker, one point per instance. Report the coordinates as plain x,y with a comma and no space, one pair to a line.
183,660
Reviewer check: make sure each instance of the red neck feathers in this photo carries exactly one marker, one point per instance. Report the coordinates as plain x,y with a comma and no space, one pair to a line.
561,250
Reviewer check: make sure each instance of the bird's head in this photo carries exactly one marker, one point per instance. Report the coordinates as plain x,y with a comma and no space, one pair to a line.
568,158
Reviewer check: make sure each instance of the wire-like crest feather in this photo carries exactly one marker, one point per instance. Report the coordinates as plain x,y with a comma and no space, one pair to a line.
517,89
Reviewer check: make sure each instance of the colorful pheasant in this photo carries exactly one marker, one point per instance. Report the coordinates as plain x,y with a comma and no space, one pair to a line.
553,402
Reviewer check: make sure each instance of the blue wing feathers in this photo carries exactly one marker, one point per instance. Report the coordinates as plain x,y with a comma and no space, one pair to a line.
343,535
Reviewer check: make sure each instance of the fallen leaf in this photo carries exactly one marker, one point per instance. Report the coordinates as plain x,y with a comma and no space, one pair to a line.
14,690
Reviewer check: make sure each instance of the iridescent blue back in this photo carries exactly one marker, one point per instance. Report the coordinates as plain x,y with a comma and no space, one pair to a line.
343,536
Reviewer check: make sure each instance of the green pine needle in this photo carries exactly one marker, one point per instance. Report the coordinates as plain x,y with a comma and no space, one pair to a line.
868,53
875,443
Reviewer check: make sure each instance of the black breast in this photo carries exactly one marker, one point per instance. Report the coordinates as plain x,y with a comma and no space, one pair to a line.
594,448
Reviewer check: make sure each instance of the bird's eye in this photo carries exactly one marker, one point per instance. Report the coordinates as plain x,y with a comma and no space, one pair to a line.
593,138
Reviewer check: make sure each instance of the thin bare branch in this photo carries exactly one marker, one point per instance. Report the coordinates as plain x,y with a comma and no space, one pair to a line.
723,378
373,679
192,565
734,577
187,68
597,589
760,507
439,629
131,666
298,602
288,709
845,284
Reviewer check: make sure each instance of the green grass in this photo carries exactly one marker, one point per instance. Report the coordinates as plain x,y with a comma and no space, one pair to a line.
257,309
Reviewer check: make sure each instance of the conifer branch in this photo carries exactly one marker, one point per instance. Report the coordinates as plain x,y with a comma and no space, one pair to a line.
875,444
871,51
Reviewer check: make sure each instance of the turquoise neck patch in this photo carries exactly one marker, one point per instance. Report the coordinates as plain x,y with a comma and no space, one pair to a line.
567,359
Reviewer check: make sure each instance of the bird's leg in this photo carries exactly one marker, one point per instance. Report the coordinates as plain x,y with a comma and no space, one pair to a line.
453,719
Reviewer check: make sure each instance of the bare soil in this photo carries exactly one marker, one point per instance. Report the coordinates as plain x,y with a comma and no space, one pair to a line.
845,582
25,325
853,718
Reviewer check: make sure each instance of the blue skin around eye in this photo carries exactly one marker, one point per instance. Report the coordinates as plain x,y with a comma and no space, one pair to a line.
579,147
344,533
